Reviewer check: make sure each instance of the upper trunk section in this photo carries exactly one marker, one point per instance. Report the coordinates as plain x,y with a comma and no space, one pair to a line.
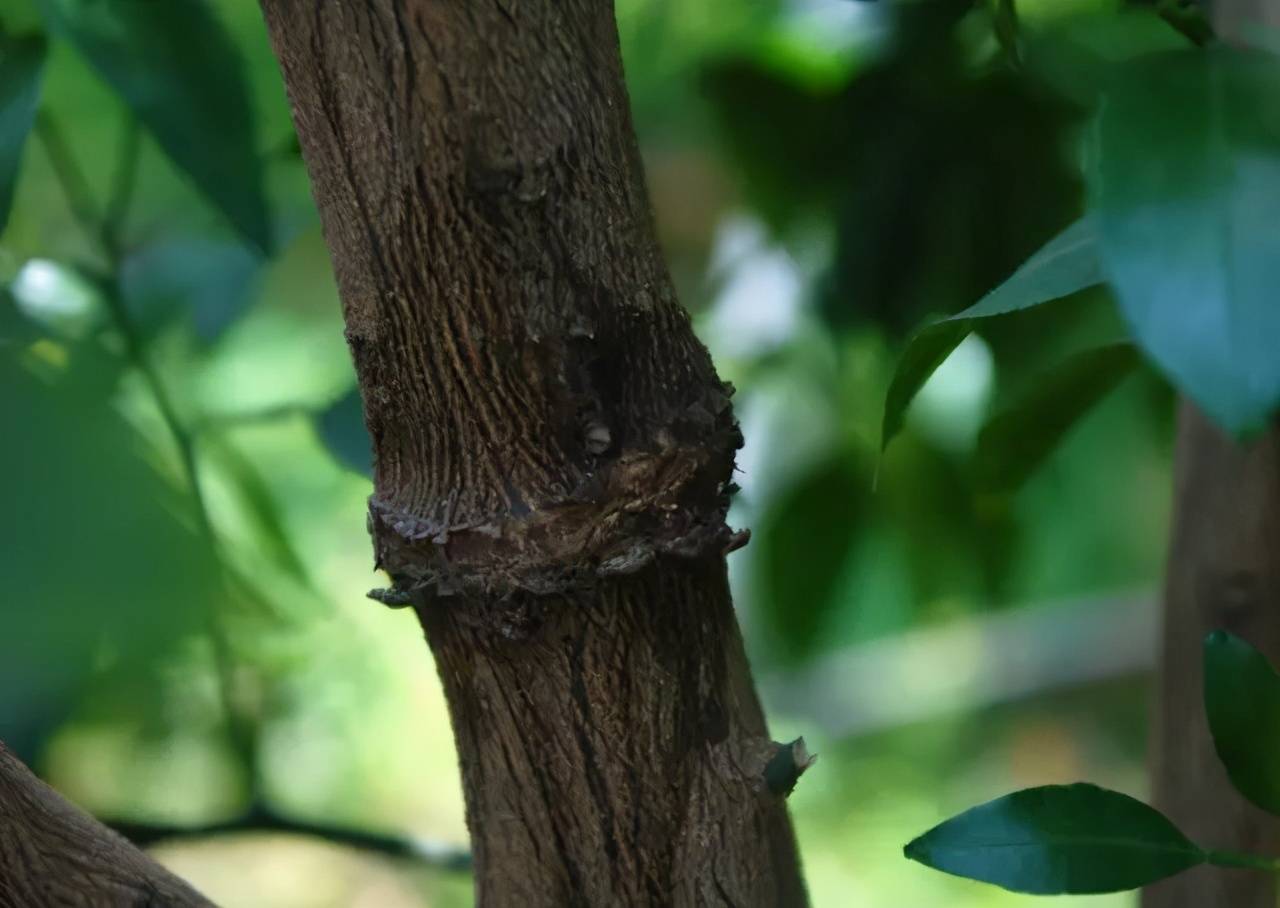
538,403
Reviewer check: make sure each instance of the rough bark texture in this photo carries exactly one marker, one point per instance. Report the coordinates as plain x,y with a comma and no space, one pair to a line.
553,447
53,853
1224,572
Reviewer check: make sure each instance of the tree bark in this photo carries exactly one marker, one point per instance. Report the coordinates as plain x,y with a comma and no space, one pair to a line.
53,853
1223,572
553,448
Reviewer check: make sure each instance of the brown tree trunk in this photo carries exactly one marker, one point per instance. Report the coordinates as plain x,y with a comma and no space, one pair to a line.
53,853
1224,572
553,446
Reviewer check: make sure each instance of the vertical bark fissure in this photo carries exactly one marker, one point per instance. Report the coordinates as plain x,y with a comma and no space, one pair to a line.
553,448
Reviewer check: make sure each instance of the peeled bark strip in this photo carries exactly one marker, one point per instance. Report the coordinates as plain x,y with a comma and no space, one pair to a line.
553,448
53,853
1224,572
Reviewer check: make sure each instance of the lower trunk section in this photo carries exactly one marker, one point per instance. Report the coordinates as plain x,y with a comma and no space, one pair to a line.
1224,572
613,750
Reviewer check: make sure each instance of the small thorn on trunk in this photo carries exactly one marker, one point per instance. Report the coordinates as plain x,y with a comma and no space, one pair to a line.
736,541
786,767
392,598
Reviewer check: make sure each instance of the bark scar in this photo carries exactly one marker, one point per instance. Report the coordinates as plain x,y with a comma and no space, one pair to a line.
641,506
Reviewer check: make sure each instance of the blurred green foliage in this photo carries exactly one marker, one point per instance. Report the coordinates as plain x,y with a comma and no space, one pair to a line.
827,177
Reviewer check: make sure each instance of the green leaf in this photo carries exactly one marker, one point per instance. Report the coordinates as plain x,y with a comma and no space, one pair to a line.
1065,265
21,65
1015,442
213,281
104,561
258,509
343,431
1185,185
1188,18
1242,702
805,541
179,72
1059,839
16,331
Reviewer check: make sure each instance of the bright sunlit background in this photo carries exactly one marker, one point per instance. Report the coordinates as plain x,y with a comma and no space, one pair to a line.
827,175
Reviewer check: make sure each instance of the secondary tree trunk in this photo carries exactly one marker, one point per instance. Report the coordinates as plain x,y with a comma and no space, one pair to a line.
553,447
1224,572
53,853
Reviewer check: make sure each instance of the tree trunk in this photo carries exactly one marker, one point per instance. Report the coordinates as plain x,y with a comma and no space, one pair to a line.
553,447
1224,572
53,853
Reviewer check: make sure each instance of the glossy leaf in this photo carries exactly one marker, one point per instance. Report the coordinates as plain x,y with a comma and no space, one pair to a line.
179,72
1065,265
1059,839
21,66
1185,185
1242,702
343,430
1016,441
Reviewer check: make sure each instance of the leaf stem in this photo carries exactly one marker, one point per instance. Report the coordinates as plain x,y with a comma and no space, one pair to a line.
103,227
72,180
125,181
1242,860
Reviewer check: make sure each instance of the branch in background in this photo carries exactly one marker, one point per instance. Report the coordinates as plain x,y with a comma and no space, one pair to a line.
263,820
971,664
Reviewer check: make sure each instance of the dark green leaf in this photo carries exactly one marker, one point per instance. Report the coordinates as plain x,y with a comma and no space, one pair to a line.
21,64
1189,18
1059,839
805,540
212,280
1066,264
1015,442
178,70
1242,701
1185,185
1004,21
100,559
934,131
343,430
16,331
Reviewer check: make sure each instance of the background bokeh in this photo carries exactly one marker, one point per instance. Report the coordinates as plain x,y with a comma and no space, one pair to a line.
827,175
